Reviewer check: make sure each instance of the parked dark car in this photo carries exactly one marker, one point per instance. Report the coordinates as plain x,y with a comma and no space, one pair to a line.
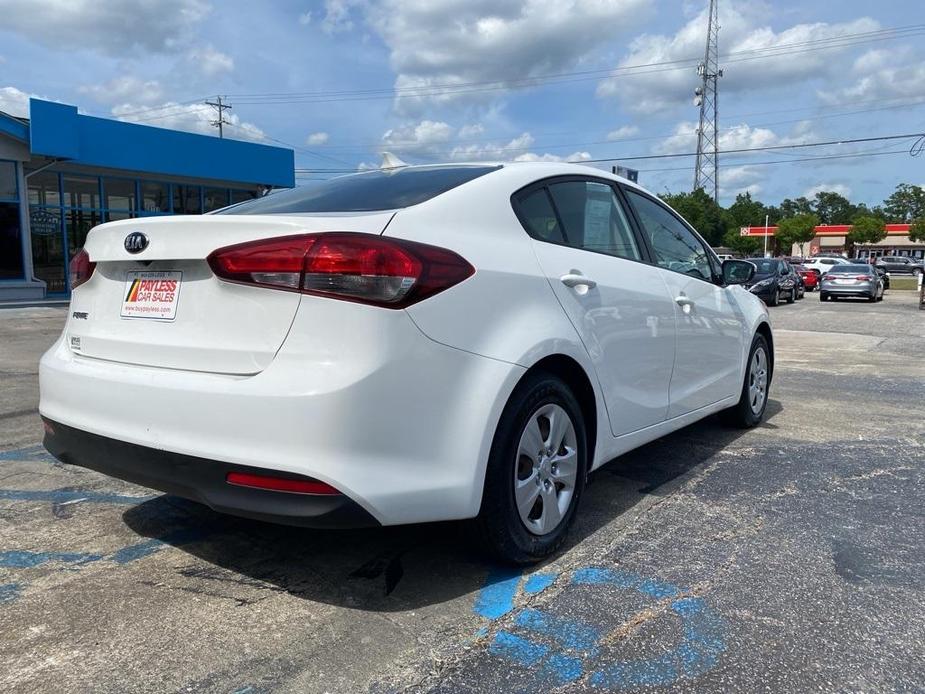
851,280
900,264
774,279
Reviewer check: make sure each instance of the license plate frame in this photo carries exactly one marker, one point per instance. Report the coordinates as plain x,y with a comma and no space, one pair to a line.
151,295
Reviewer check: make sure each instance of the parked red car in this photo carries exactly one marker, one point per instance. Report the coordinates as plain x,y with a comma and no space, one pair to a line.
810,278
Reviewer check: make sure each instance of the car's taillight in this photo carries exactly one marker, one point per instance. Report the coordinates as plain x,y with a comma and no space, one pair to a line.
369,269
80,268
864,277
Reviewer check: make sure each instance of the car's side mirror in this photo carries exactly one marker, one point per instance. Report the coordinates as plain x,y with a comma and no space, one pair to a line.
737,271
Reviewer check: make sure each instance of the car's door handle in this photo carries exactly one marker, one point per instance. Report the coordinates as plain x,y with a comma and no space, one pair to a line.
684,301
576,279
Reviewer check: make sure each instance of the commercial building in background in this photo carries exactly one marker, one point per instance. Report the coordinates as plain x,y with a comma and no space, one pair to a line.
62,173
832,238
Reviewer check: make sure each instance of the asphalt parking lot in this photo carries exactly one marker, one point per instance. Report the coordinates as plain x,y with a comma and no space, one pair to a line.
790,557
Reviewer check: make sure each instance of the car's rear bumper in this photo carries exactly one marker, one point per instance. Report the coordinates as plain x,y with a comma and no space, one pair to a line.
865,289
202,480
400,424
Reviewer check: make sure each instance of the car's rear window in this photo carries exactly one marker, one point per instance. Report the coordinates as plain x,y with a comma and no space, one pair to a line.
849,269
369,191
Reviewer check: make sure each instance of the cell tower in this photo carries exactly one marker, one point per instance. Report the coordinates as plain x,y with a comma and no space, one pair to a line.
706,173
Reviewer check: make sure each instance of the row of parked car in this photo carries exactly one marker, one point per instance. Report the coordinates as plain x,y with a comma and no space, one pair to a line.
788,279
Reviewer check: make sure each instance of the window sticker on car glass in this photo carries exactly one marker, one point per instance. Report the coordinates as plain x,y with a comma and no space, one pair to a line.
598,205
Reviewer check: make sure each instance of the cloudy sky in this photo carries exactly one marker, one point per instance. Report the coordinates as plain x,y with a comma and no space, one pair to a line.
433,80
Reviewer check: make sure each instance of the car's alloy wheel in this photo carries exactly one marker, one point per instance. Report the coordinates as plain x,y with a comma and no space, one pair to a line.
758,380
545,469
753,401
536,471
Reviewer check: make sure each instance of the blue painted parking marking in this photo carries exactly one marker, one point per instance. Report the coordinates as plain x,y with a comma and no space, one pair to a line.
557,651
35,453
9,592
23,559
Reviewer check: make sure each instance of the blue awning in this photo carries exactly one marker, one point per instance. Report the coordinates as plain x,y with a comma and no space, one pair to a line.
58,131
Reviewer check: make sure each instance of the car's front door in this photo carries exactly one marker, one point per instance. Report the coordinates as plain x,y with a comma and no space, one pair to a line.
594,263
711,336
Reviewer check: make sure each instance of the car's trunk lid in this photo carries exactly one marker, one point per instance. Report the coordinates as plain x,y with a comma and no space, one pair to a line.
164,307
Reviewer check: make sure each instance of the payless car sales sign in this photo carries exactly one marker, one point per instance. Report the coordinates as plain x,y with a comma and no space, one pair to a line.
152,295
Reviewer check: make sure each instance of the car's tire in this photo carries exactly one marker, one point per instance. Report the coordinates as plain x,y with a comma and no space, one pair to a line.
873,297
823,296
792,296
753,401
774,300
502,526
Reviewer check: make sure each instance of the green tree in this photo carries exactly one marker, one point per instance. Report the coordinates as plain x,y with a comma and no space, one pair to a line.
917,230
799,229
905,204
743,245
745,212
791,208
832,208
701,212
865,229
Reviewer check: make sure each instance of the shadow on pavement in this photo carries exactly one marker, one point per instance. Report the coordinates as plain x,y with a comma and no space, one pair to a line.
406,567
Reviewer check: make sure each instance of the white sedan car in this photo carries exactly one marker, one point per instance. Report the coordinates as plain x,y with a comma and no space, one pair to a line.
419,344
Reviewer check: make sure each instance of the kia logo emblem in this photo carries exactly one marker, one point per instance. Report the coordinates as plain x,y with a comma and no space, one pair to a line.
136,242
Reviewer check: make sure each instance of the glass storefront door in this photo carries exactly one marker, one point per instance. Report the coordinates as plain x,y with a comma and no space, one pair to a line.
48,258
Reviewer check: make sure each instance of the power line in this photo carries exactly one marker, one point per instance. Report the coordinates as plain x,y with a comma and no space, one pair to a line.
740,150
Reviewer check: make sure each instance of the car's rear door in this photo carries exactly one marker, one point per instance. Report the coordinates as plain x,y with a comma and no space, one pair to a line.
618,304
711,331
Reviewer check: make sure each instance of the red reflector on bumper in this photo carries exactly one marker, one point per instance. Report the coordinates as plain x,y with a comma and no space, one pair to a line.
279,484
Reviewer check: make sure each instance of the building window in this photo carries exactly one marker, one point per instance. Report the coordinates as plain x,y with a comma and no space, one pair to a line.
43,188
81,191
11,267
155,197
215,199
120,194
186,199
77,225
8,185
48,261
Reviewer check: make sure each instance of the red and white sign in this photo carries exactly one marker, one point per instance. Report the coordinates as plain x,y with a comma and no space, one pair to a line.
152,295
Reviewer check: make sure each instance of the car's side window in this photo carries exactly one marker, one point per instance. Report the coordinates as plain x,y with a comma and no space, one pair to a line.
593,218
538,216
675,246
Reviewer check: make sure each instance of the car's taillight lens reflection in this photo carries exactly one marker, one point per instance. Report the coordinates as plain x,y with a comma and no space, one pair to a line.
80,268
365,268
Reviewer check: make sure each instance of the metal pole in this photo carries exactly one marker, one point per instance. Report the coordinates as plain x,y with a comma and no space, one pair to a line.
766,236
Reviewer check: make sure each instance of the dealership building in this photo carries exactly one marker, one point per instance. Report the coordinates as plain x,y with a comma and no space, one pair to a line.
62,173
833,238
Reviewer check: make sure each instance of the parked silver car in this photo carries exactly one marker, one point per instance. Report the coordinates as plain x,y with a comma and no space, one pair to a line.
851,280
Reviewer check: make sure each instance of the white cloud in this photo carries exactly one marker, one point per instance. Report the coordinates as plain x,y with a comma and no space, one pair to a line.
622,132
741,136
125,88
467,132
425,137
14,102
839,188
657,88
195,118
316,139
518,149
305,18
116,28
452,42
881,75
210,62
338,15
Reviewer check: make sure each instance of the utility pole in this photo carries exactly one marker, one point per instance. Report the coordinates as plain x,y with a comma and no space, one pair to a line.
220,107
706,172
